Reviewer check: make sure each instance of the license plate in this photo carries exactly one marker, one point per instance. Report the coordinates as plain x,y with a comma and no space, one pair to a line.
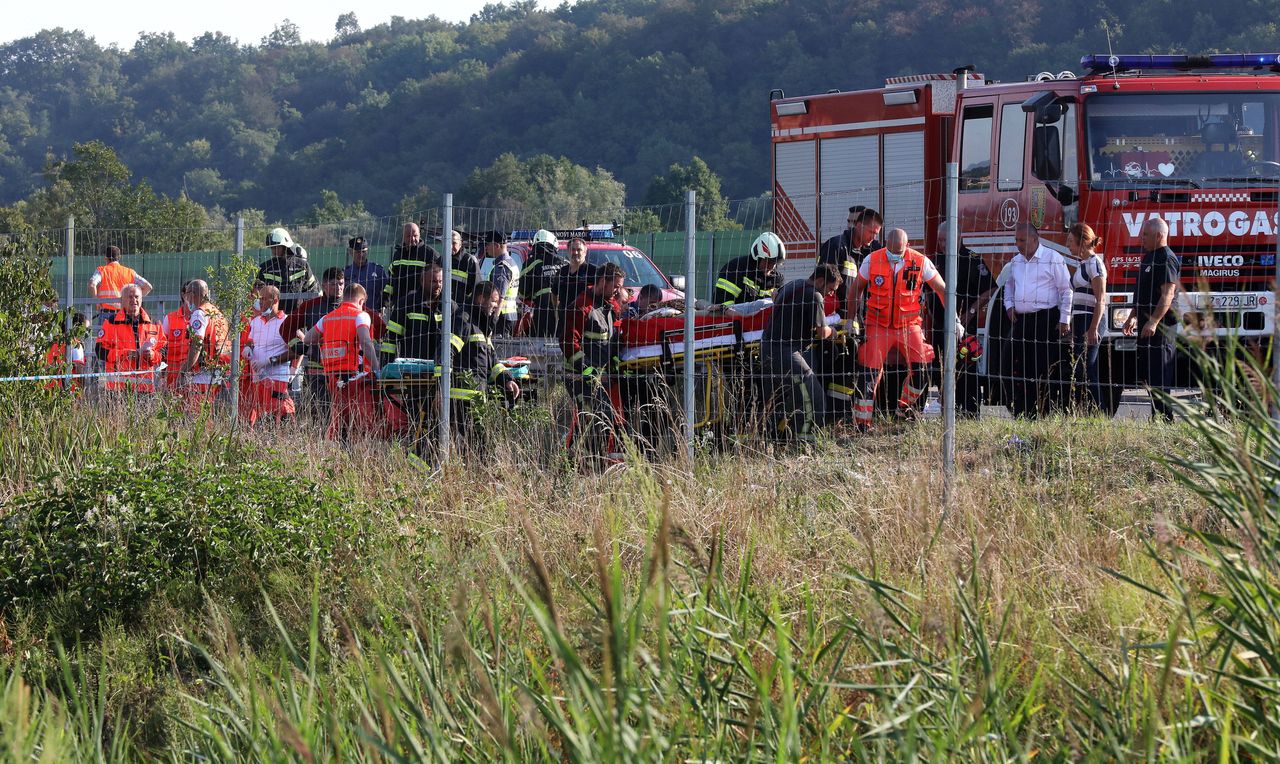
1126,343
1234,301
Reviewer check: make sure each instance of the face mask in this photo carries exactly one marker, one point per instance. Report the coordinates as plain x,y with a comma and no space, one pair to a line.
257,305
895,259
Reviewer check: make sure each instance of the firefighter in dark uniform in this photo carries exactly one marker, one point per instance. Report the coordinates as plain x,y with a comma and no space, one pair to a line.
408,260
286,269
744,280
413,331
752,276
538,283
798,318
465,270
847,251
590,343
477,368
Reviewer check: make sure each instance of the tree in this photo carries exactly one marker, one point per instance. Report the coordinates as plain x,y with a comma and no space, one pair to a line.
332,210
713,207
412,205
346,26
544,190
285,35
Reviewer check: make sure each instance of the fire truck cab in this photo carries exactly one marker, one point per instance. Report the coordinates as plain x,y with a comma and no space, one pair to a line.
1194,140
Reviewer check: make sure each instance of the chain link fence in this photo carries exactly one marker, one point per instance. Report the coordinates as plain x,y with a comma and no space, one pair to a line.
571,327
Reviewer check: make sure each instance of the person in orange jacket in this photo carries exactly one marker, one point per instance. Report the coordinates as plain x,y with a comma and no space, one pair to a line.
893,279
130,341
350,360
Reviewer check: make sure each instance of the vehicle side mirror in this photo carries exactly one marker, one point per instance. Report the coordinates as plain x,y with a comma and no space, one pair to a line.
1046,153
678,282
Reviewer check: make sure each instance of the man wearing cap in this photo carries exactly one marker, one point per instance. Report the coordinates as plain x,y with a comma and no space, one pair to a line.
362,271
506,277
286,269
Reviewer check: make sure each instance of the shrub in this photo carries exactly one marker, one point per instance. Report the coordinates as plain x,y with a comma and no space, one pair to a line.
135,524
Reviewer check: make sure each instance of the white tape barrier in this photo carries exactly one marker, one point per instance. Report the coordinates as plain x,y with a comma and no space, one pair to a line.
93,375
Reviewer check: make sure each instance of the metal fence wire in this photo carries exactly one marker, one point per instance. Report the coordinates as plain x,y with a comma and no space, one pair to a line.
574,328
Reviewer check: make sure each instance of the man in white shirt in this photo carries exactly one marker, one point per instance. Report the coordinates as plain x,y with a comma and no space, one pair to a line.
269,360
1037,298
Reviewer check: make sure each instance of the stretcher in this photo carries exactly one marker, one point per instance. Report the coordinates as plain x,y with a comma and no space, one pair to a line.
424,371
717,343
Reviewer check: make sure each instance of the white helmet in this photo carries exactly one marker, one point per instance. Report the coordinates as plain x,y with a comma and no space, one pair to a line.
543,235
768,246
278,237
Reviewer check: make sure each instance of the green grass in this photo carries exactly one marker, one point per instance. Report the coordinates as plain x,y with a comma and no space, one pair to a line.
1082,600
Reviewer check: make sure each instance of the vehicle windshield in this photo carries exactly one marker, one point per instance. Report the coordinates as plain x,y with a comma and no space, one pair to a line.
639,270
1183,139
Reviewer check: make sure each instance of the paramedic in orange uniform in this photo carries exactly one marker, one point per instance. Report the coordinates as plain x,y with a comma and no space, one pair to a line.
350,361
892,279
130,341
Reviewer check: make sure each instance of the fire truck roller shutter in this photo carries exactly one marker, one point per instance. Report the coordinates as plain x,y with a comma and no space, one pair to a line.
796,202
850,175
904,188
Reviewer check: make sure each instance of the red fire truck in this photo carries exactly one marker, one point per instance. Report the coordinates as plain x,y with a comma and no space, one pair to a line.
1192,139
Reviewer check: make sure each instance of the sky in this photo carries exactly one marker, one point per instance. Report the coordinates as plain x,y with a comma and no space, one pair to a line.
120,22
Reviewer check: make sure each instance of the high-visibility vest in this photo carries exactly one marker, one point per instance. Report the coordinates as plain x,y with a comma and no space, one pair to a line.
119,337
113,277
510,295
340,345
177,342
893,299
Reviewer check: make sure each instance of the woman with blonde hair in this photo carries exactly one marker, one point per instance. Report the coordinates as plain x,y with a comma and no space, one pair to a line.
1088,307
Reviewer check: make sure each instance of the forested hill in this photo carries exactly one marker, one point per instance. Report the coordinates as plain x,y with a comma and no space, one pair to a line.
628,85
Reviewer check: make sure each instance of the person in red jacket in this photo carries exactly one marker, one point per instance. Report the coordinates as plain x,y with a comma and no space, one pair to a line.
130,341
893,278
350,359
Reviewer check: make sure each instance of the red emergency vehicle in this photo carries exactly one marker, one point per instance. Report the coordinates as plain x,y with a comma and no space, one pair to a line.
1192,139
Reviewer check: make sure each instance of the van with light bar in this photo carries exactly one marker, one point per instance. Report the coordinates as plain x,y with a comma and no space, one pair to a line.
1193,139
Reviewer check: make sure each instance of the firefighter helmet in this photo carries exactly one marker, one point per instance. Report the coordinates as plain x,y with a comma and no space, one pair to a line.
768,246
543,235
279,238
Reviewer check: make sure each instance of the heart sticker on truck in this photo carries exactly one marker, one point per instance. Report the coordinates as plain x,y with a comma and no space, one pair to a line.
1166,168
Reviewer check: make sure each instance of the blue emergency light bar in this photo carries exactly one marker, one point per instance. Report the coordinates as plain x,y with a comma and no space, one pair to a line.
1106,64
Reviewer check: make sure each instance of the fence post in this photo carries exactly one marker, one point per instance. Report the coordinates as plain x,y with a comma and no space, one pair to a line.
690,289
949,338
446,329
236,371
70,245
